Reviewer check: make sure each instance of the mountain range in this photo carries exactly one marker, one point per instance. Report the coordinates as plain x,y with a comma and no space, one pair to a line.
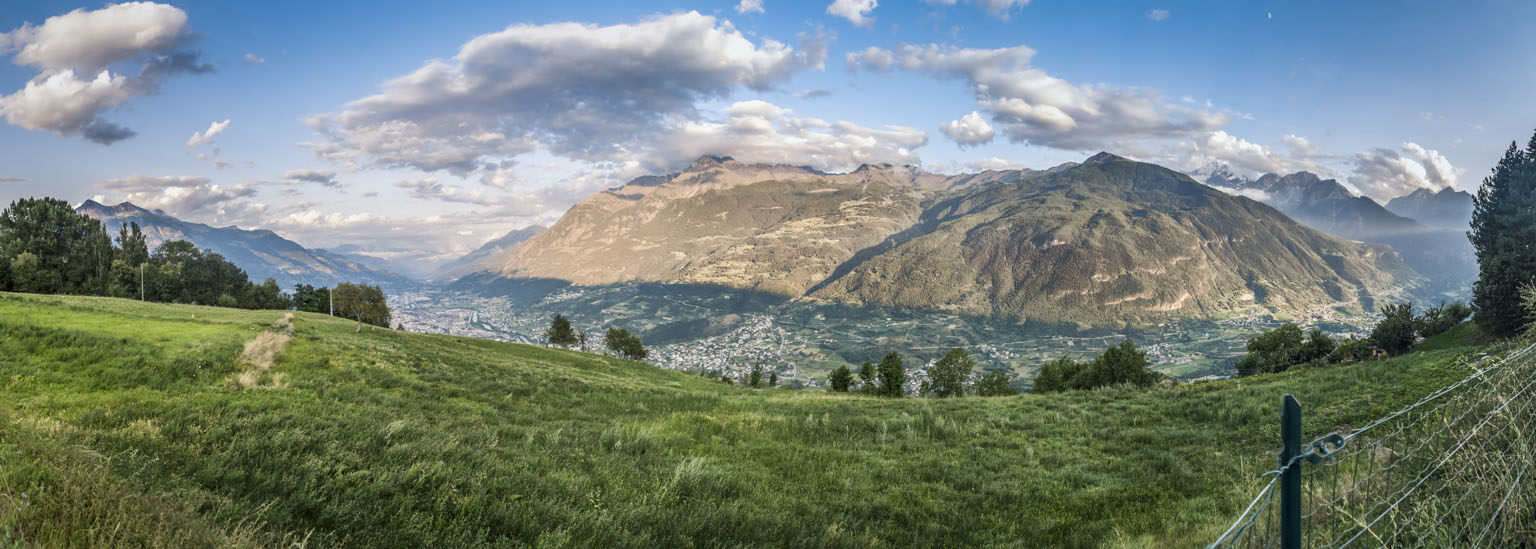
1446,209
476,260
1426,228
1103,243
262,254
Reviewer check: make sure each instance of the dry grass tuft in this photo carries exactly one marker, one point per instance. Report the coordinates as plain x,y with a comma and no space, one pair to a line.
261,352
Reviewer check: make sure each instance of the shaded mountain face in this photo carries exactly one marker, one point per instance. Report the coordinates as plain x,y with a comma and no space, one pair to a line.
1103,243
482,258
262,254
1443,256
1446,209
1322,204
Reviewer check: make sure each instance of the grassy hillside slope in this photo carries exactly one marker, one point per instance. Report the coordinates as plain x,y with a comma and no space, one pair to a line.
125,424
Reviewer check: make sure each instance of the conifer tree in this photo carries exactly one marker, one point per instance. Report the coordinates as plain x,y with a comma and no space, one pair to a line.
893,376
841,378
1503,226
560,332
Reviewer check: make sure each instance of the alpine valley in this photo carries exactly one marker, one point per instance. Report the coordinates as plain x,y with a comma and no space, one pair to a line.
727,264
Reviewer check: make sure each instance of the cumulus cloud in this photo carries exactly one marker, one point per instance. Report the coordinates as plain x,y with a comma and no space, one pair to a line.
1245,157
75,54
322,177
1030,106
1385,173
871,58
253,59
1158,14
749,6
812,94
855,11
186,197
970,129
758,131
576,90
201,138
1301,147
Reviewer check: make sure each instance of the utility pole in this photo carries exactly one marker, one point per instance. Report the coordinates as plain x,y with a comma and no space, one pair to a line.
331,293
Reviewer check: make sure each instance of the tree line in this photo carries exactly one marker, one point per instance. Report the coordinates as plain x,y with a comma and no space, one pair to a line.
950,376
48,248
618,340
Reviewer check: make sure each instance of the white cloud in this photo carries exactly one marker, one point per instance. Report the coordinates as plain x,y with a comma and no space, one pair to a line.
970,129
1247,158
1158,14
1385,173
322,177
74,54
1301,147
185,197
992,163
1256,194
749,6
12,180
199,139
253,59
758,131
855,11
871,58
1030,106
575,90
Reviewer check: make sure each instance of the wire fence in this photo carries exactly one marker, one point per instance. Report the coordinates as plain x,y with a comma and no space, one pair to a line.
1453,469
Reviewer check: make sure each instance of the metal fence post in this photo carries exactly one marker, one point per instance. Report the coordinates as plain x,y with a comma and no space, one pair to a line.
1290,479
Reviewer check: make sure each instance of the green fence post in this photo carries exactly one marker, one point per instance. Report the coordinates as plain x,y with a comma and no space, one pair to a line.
1290,479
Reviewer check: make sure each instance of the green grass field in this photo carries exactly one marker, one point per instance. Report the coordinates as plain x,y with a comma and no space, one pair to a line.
125,424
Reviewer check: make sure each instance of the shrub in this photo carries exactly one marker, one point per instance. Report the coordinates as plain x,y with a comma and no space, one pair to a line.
841,378
993,383
1438,320
1281,348
1395,333
1055,376
625,344
1120,364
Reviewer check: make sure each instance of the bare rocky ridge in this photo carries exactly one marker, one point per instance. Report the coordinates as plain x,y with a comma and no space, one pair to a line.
1104,243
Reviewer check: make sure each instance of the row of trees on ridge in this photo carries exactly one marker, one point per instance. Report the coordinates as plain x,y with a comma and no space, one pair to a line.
48,248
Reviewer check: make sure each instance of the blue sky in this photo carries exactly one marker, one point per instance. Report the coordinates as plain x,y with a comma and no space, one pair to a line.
1386,97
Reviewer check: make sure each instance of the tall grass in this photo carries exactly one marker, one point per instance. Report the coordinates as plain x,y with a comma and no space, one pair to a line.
384,438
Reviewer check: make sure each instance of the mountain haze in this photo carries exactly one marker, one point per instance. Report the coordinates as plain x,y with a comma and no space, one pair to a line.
1103,243
476,260
1446,209
1443,255
262,254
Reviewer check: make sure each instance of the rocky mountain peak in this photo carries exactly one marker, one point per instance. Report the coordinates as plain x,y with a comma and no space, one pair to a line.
1104,157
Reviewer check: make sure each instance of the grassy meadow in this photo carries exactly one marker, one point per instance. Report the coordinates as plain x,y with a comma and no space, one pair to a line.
134,424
